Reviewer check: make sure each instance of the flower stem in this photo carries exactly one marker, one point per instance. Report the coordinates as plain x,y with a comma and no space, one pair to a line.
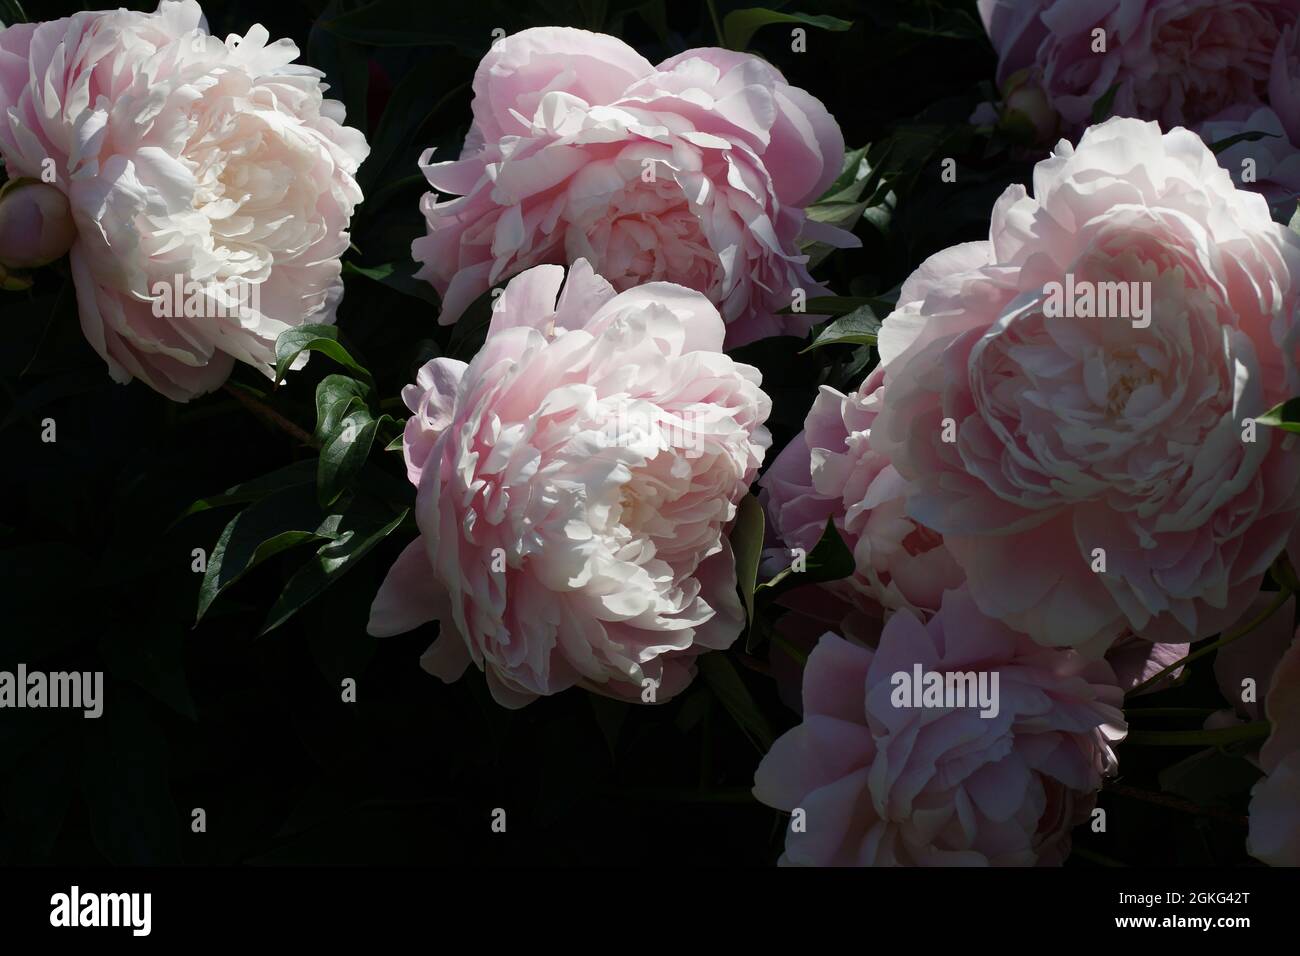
270,415
789,648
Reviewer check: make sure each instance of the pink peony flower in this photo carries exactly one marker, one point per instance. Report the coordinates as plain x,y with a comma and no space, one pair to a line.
1176,61
183,155
1274,834
832,470
887,785
1095,475
1269,656
576,480
695,172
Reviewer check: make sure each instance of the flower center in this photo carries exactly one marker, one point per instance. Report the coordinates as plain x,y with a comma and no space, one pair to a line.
1127,373
649,233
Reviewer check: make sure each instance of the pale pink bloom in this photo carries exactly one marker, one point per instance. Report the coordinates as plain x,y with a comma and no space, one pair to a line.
832,470
1274,836
182,154
1275,801
576,483
695,171
1176,61
1259,675
1101,478
887,785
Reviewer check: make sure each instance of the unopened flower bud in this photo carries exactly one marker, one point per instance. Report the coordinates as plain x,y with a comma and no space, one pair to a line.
36,225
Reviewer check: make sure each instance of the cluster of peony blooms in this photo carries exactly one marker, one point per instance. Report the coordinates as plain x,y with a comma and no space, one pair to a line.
1059,504
1026,492
1219,67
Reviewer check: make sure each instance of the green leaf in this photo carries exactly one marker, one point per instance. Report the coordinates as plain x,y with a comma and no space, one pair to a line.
747,546
842,214
740,25
313,338
842,204
13,12
1285,416
912,151
1249,136
726,683
1101,109
949,24
859,327
281,520
1295,219
850,372
357,533
881,214
399,280
345,453
299,473
848,185
346,431
829,560
336,396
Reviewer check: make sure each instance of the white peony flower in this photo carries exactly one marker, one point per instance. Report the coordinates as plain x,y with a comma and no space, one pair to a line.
210,183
